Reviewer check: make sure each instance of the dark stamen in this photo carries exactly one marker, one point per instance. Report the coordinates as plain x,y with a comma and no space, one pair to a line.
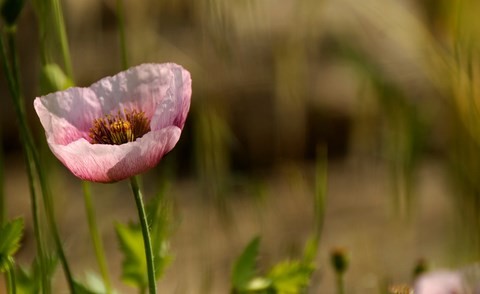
118,129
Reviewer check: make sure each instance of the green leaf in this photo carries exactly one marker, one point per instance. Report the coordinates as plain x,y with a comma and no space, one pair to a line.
244,269
10,235
290,277
28,280
25,282
82,289
134,265
93,285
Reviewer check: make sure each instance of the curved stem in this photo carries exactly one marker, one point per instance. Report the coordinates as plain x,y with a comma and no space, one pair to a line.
94,234
14,92
30,149
146,234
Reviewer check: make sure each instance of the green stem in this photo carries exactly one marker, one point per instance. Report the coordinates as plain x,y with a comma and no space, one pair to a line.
62,35
94,234
30,148
15,93
340,283
2,184
11,281
146,234
50,213
45,281
121,31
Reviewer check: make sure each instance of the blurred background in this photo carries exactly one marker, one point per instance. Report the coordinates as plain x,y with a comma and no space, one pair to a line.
389,88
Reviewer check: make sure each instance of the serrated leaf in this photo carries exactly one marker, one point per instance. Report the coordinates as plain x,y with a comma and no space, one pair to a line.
10,235
290,277
134,265
244,269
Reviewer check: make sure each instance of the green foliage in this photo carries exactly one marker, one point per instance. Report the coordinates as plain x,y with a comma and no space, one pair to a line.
82,289
10,235
28,280
245,266
134,265
290,277
92,285
26,283
286,277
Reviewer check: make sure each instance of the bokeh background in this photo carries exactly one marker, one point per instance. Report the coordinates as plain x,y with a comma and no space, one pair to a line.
389,88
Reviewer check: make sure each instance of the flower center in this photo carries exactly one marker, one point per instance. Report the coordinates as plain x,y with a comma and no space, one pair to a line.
119,129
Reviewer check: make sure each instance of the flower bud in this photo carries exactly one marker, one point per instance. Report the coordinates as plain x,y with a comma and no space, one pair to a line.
339,260
10,10
52,79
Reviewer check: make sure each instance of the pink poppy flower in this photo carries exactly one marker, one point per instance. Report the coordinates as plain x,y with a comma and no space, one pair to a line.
441,282
120,126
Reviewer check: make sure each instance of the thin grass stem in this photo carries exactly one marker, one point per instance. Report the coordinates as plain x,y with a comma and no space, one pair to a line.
95,235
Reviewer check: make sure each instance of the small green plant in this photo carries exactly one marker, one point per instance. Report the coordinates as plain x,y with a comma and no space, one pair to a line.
285,277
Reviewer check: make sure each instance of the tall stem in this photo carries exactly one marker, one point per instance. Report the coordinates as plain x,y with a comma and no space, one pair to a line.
15,93
2,183
94,234
146,234
62,36
29,145
45,281
121,31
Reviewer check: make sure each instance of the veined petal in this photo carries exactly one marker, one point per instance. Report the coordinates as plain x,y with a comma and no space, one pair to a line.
161,91
440,282
111,163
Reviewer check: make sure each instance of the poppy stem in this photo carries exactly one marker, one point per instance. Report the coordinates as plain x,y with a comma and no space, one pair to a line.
33,158
17,101
146,234
340,283
94,234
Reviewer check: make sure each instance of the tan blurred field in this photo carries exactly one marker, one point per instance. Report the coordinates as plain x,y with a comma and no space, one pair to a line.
390,88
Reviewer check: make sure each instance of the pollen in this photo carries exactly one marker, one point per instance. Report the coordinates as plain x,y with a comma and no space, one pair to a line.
119,129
